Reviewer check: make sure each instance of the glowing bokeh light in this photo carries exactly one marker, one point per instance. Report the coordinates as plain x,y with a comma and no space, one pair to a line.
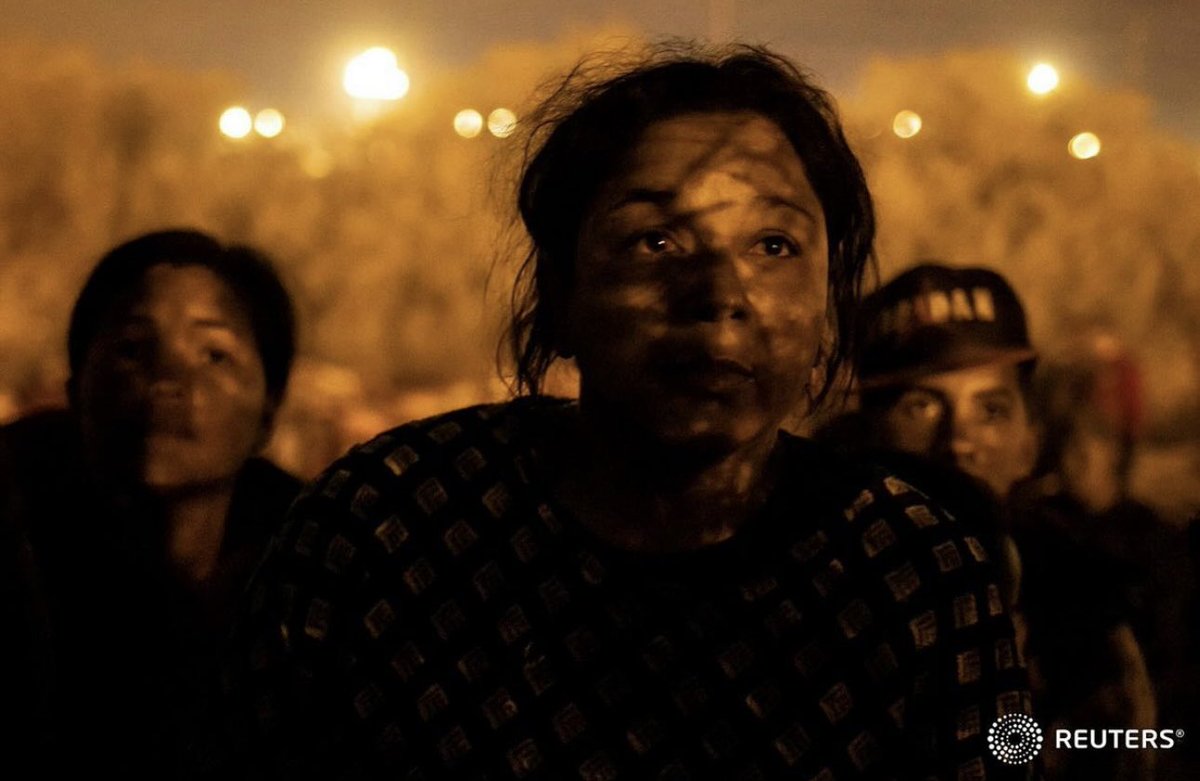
1042,78
235,122
468,123
501,123
1084,146
374,75
906,124
268,123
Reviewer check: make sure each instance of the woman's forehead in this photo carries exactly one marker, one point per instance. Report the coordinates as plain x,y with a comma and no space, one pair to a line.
745,131
972,382
714,154
183,290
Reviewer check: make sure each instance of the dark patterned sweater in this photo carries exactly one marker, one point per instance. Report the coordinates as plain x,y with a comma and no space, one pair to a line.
431,613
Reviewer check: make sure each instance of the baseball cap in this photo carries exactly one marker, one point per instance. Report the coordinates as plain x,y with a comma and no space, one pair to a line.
934,318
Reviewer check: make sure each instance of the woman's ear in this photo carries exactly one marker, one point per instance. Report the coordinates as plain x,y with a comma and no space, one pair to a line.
819,374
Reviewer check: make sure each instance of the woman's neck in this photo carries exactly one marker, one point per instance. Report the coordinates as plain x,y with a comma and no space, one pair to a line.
191,526
186,525
195,530
655,498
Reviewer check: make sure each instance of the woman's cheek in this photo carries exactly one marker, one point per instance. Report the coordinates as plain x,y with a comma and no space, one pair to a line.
793,332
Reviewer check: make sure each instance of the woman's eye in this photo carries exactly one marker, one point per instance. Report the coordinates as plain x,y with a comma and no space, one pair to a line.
131,348
923,408
996,411
776,247
654,243
215,355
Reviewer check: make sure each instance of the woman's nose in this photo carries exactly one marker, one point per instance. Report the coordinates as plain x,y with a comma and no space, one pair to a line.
714,290
963,437
172,365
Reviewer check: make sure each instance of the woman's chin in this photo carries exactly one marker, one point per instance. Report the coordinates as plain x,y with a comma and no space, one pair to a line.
696,425
708,428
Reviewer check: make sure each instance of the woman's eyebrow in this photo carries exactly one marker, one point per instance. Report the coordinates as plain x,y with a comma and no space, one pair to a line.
656,197
209,323
781,201
659,197
995,393
205,321
927,390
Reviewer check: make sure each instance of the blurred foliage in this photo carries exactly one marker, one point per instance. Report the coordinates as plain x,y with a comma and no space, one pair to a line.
389,231
1112,242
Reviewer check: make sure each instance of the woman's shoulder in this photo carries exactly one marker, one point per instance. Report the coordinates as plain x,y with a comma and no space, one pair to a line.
431,477
457,446
826,477
39,443
853,480
879,515
42,482
496,426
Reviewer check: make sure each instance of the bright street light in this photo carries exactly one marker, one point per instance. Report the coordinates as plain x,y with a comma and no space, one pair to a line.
235,122
906,124
1084,146
268,123
375,75
501,123
1042,78
468,123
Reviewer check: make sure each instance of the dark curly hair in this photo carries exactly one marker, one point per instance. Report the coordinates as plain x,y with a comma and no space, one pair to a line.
592,120
247,272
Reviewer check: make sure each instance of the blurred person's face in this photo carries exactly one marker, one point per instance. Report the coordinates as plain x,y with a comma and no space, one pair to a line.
172,394
700,288
976,418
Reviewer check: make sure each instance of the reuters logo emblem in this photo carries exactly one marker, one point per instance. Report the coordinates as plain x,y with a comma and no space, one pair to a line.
1015,739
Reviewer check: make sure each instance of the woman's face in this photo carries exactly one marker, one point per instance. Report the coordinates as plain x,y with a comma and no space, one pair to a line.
700,288
172,394
974,417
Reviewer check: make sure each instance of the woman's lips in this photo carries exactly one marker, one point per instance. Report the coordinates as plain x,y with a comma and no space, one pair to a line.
711,375
170,419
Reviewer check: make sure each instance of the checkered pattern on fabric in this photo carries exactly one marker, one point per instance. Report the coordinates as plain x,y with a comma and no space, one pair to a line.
430,613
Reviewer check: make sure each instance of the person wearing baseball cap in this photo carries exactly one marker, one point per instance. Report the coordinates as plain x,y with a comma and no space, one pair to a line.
945,367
